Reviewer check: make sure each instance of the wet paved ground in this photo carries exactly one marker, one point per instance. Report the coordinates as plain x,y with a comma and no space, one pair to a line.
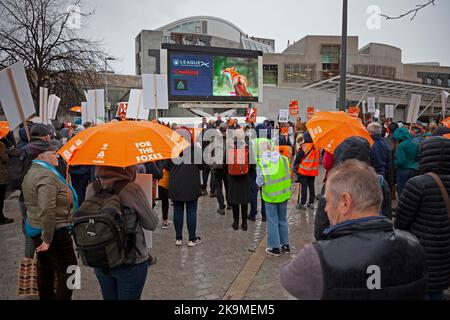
206,271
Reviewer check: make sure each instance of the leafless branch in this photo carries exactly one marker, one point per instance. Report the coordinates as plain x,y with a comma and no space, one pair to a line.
413,11
38,32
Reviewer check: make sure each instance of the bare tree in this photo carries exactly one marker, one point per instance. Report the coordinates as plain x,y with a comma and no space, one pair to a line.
412,11
42,35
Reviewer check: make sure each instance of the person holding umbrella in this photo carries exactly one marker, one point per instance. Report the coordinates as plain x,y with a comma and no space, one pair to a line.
116,148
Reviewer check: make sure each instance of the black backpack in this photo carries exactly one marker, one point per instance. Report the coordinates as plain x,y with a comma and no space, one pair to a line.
19,163
101,229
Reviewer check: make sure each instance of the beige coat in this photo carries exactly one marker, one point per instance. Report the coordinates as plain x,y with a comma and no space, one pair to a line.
49,201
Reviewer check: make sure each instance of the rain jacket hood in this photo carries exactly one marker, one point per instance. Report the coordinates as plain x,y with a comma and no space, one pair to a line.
402,134
110,175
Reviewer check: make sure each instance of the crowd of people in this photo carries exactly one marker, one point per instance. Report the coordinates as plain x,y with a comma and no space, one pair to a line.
354,223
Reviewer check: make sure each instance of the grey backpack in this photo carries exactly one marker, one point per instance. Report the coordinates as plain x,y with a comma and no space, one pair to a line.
100,229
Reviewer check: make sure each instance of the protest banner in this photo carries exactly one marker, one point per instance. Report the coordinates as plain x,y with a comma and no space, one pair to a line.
15,96
135,108
251,115
389,111
293,108
371,108
156,92
43,105
283,115
413,108
96,106
310,112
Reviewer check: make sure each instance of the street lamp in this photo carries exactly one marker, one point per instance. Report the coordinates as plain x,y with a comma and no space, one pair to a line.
106,80
343,77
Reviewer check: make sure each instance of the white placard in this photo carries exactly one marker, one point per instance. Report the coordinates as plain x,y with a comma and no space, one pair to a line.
371,105
145,182
283,115
43,105
96,106
413,108
363,107
84,117
389,111
53,104
136,106
17,108
156,92
377,114
50,104
444,97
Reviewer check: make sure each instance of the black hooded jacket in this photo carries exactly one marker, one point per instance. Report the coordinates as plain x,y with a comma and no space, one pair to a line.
422,211
352,148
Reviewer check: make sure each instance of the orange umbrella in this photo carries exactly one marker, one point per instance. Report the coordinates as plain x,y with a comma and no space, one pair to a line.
446,122
4,129
329,129
76,109
123,144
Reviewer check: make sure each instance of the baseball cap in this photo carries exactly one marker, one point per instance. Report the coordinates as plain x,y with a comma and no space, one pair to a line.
40,130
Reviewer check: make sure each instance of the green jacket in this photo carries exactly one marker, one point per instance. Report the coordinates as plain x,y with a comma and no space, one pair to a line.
407,155
48,201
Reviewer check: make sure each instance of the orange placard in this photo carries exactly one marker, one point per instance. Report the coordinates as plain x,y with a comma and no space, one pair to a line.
310,112
446,122
354,111
293,108
122,109
251,115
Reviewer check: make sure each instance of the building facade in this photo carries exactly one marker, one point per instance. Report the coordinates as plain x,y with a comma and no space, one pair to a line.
199,31
311,60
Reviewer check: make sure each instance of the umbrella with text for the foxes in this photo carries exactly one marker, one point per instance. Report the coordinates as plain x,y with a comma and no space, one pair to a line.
123,144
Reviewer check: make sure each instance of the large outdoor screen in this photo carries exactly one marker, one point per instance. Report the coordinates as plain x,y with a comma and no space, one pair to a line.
213,74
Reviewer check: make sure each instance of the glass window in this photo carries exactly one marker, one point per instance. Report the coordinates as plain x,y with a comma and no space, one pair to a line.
270,74
375,71
440,82
299,72
331,54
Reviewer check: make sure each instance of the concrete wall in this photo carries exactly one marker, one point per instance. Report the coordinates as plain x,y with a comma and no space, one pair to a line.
308,51
276,98
382,55
150,40
410,71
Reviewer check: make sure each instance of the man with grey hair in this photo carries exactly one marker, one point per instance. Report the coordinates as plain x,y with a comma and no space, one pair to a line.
363,256
380,154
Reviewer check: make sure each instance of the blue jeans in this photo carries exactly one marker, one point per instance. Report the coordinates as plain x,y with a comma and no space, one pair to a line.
403,175
123,283
254,198
178,218
277,226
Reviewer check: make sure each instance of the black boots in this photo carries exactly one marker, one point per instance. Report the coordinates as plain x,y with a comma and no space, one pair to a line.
235,224
244,221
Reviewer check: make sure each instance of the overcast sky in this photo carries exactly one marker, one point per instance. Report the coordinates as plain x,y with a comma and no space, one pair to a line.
426,38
